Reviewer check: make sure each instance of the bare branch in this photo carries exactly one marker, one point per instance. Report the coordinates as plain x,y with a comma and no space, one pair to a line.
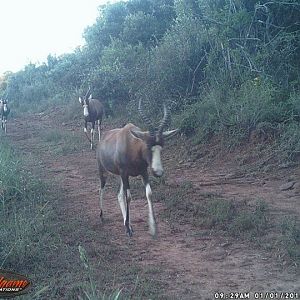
195,71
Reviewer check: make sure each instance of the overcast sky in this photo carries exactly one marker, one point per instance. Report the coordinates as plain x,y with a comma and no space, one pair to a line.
32,29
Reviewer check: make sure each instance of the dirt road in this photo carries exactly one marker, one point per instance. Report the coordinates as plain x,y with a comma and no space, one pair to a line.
184,262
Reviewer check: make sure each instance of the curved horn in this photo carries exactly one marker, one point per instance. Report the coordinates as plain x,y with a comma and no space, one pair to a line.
146,119
164,120
86,95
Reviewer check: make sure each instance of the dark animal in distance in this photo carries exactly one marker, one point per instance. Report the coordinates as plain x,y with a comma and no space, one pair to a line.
128,151
93,111
4,112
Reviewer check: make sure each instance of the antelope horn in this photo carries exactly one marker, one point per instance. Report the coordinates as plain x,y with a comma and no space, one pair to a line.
164,120
87,93
146,119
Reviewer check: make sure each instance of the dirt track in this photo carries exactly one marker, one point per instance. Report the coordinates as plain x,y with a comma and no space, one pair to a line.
191,265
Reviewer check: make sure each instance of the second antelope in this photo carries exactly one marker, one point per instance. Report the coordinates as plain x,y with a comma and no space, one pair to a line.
93,111
128,151
4,112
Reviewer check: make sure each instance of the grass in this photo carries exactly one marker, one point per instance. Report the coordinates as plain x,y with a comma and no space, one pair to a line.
234,218
137,282
290,238
90,290
63,142
25,210
209,211
251,223
33,230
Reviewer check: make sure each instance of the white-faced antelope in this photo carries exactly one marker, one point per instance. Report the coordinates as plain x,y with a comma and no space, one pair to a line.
128,151
4,112
93,111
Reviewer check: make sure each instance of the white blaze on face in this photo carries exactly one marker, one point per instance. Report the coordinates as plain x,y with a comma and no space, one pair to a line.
156,161
5,108
85,110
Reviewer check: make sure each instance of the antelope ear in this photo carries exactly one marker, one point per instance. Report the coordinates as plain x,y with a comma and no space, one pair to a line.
90,97
168,134
80,100
142,135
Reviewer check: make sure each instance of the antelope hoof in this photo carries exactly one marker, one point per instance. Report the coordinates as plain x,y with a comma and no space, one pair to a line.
129,231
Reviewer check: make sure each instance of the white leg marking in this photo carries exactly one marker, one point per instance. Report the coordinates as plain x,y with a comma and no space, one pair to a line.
93,133
151,219
92,138
130,198
99,131
121,199
156,160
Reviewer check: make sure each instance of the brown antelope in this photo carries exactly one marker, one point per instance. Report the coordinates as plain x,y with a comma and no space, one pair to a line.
128,151
93,111
4,112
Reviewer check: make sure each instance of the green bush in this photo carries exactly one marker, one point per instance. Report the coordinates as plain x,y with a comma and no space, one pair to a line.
199,119
254,106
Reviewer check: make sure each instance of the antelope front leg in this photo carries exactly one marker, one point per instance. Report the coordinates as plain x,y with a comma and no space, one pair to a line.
124,198
99,129
92,138
101,193
121,201
5,125
129,198
151,218
85,127
92,135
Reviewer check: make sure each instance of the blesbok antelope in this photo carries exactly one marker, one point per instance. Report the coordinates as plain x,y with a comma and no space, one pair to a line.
93,111
128,151
4,112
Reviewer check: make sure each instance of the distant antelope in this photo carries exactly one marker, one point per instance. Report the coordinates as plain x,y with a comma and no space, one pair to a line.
128,151
4,112
93,111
